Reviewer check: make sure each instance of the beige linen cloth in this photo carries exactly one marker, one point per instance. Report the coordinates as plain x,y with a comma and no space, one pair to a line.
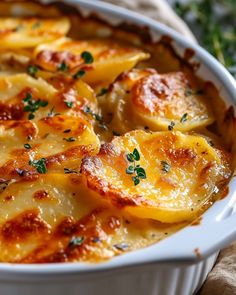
222,279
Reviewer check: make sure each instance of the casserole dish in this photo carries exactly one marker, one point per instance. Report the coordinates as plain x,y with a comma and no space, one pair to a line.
176,265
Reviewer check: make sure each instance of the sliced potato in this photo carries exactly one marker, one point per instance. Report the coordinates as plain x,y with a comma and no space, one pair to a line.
182,174
59,97
15,88
61,140
29,32
32,210
110,59
158,101
41,218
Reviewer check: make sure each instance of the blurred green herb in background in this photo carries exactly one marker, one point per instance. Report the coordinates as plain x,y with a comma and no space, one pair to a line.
214,24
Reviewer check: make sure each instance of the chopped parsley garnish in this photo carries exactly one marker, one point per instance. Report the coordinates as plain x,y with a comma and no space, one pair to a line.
63,67
184,118
189,91
102,92
87,57
69,104
97,117
20,172
139,172
32,105
3,185
69,139
165,166
32,70
69,171
171,126
27,146
79,74
40,165
76,241
121,246
52,113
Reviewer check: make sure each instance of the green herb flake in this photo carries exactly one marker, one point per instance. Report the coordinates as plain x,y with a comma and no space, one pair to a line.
165,166
32,70
136,155
31,105
79,74
69,171
69,139
184,118
69,104
171,126
52,113
87,57
75,242
121,246
3,184
102,91
27,146
130,170
63,67
97,117
135,169
40,165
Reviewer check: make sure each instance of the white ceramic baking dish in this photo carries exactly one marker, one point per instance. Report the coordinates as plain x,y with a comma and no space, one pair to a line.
177,265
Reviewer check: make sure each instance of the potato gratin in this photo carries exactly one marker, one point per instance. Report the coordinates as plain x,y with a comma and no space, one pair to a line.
109,142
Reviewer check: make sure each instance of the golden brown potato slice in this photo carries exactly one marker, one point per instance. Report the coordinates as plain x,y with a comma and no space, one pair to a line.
107,60
24,97
169,101
52,143
169,177
29,32
52,219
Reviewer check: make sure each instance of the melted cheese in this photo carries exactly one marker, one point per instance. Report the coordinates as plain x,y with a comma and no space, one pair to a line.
71,99
172,194
110,59
145,98
61,140
86,207
29,32
39,219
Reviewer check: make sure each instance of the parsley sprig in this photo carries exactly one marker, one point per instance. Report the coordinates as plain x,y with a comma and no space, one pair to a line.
76,241
87,57
32,70
52,112
40,165
165,166
63,67
184,118
31,105
136,170
97,117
